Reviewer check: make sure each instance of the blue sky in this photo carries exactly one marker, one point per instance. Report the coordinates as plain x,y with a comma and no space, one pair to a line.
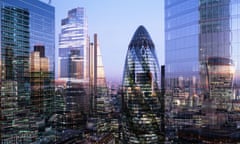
115,22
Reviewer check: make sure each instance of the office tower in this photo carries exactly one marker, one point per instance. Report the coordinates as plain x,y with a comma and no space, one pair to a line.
23,25
72,71
97,80
72,46
14,96
42,90
202,69
182,80
141,112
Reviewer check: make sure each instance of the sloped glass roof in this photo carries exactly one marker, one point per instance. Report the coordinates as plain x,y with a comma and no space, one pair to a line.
141,37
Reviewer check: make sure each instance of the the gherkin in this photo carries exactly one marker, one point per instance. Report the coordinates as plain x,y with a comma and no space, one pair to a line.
142,103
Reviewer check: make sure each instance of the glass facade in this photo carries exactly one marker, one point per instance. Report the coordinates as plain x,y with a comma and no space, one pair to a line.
42,90
141,112
14,75
202,70
72,71
73,45
23,24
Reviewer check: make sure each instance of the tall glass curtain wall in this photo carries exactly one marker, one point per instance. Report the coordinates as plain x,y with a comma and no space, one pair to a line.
14,66
202,64
182,61
24,24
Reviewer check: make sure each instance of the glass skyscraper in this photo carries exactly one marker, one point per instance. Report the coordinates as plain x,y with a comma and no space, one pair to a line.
72,46
72,70
141,110
23,24
202,70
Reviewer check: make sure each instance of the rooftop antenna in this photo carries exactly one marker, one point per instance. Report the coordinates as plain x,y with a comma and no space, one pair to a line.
50,1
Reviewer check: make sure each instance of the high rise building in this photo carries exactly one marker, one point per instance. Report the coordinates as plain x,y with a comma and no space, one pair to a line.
202,68
97,124
73,46
97,80
73,71
141,112
42,90
23,25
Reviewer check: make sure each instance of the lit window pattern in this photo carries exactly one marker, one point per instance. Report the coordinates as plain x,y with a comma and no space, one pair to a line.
15,70
24,24
141,121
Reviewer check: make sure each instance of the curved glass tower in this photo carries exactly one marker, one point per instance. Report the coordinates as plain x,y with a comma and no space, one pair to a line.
141,120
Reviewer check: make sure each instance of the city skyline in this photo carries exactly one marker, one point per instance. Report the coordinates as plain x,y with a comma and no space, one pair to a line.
91,72
114,22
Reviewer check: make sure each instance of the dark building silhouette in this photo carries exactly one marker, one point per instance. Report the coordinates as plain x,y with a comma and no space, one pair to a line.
40,49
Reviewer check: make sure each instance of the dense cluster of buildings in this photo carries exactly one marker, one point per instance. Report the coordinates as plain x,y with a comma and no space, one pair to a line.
39,104
63,97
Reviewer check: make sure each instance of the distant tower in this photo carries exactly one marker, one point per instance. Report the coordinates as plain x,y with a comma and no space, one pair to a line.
72,46
72,68
141,120
97,78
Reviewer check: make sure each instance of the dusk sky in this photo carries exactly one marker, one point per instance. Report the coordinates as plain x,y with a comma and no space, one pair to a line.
115,22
